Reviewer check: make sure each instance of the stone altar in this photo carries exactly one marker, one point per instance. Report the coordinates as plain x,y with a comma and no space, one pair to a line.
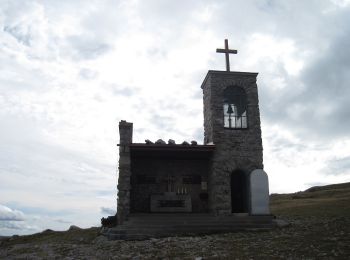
171,202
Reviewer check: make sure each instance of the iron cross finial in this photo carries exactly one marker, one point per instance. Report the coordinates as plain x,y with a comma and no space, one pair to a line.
227,51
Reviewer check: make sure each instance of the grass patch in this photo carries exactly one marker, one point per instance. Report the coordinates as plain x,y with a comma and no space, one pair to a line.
331,200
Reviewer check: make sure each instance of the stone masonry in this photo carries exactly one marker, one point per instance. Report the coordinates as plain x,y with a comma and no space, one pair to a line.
225,171
158,169
125,132
235,148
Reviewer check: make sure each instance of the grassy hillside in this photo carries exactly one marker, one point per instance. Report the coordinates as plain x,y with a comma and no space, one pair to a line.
330,200
320,229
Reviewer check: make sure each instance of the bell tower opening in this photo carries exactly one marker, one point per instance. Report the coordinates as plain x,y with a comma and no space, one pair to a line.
235,108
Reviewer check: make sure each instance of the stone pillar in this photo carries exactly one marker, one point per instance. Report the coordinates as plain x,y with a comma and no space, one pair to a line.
125,133
259,193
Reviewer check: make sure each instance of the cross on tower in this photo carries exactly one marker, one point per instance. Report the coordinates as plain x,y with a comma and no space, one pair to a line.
227,51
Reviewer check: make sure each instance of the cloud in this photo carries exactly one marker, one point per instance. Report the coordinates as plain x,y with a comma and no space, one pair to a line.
18,227
10,225
339,166
108,211
16,32
316,100
122,90
316,183
88,74
7,214
63,221
86,47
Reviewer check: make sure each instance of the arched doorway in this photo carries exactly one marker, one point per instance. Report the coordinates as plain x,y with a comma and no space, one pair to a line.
239,192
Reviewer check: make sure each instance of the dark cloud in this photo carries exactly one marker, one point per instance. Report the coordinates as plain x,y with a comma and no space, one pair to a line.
327,89
299,20
315,103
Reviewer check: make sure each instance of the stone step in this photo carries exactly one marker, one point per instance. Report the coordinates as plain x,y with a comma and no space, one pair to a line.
193,221
200,223
141,226
205,219
166,232
194,216
187,228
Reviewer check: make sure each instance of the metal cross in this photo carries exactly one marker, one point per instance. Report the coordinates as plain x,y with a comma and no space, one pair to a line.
227,51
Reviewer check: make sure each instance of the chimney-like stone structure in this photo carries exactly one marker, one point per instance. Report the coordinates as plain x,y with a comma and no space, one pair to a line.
125,133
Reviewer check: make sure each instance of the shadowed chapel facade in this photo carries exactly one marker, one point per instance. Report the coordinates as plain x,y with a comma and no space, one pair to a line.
222,177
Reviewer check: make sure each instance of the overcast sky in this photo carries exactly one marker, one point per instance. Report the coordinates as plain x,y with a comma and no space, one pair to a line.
71,70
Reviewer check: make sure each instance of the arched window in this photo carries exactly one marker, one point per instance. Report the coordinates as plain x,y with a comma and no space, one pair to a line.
235,108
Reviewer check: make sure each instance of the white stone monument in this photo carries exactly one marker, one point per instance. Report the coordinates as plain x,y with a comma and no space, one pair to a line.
259,193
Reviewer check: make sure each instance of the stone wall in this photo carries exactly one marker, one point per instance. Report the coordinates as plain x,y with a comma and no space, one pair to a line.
125,132
149,177
235,148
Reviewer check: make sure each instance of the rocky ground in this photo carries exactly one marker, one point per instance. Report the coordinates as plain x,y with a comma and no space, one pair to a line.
319,229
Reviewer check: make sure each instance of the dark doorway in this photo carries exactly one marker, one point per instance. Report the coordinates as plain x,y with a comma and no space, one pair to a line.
238,191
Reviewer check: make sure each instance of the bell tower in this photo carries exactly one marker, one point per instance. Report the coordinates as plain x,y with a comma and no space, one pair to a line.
232,124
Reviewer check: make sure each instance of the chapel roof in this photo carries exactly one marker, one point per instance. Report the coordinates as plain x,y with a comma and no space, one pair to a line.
171,150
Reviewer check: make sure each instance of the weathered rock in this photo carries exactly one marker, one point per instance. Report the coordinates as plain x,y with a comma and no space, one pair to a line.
47,231
100,240
13,237
160,141
171,142
110,221
73,227
147,141
281,223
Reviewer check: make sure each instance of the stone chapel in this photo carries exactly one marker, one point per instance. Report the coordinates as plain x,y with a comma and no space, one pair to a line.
219,181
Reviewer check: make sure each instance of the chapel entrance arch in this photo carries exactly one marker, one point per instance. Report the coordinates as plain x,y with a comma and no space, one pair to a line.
239,192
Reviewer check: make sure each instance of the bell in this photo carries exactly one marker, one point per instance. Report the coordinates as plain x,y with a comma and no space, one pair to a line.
229,109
